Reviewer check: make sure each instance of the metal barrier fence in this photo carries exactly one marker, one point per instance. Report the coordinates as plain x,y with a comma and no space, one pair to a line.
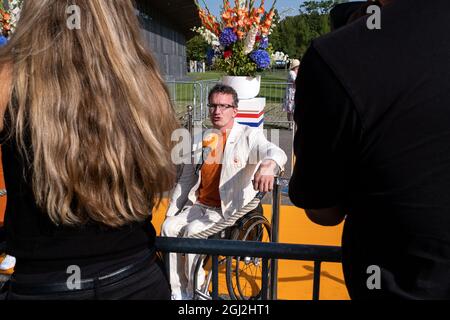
266,251
195,93
183,93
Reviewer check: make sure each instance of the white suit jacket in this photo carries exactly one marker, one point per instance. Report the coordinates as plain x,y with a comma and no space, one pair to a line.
245,149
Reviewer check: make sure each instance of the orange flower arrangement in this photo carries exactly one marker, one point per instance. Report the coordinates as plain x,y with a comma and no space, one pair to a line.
243,32
243,17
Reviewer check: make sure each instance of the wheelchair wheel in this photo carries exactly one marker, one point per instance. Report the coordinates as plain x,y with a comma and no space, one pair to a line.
244,274
204,293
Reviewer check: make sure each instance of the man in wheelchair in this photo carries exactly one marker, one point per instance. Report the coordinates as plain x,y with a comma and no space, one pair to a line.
238,162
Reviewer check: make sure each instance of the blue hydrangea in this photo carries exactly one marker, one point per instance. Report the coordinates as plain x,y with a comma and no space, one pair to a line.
264,43
228,37
261,58
3,41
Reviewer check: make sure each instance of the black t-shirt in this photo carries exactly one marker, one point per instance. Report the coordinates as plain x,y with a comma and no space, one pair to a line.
373,111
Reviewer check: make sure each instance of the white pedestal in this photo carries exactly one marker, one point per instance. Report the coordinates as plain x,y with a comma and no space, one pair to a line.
251,112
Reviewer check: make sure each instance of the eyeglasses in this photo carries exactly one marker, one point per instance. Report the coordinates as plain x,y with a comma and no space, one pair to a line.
221,107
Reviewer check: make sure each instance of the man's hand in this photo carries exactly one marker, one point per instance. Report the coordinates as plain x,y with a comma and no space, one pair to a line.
264,177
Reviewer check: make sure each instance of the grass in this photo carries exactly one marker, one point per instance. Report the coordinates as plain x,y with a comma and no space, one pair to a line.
209,75
268,76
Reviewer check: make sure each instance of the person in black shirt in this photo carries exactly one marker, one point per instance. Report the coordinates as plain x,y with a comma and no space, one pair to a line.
373,148
86,141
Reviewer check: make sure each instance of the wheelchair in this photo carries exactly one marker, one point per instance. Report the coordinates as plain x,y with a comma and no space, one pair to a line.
243,274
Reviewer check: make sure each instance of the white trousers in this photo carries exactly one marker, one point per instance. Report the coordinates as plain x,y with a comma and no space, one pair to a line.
189,221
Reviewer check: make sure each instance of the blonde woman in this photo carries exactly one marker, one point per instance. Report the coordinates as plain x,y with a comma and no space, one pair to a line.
86,153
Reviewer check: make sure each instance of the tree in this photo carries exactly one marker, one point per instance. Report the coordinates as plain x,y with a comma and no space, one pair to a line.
318,7
275,37
196,48
293,35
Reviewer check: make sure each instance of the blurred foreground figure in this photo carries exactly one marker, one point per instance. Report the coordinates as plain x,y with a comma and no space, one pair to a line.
86,147
373,111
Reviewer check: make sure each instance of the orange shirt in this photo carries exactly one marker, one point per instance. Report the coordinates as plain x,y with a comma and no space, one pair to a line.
208,191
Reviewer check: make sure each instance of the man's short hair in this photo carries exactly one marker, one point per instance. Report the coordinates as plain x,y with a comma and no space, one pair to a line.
224,89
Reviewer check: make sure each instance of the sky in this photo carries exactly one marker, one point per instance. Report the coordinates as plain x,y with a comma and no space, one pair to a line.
285,7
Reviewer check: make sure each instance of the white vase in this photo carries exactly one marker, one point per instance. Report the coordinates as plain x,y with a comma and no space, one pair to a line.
246,87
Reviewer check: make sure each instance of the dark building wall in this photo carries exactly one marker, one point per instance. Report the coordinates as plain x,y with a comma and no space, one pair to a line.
166,41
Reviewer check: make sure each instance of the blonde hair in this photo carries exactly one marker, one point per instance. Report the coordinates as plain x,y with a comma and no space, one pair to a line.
96,109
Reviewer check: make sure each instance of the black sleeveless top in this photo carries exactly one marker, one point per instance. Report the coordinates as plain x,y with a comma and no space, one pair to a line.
41,246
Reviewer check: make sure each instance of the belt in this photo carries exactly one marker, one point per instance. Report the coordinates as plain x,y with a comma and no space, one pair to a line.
84,284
